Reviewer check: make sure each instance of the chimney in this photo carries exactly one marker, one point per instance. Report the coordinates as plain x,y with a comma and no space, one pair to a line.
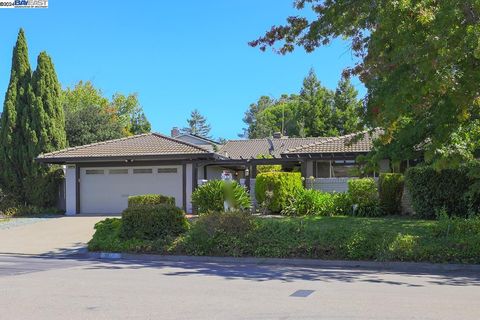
277,135
175,132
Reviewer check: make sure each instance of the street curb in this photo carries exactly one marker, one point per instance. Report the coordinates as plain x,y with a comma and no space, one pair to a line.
337,264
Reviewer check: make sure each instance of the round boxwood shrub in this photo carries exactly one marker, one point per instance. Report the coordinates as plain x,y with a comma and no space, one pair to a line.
150,199
273,189
390,191
151,222
212,195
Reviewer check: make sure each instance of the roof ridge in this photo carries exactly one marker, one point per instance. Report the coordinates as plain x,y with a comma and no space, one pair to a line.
330,139
95,144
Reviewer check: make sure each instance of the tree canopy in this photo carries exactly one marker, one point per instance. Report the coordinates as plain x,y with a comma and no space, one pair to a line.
120,117
314,111
419,61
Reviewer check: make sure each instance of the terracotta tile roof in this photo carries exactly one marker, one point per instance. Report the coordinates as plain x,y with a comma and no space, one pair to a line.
252,148
355,142
149,144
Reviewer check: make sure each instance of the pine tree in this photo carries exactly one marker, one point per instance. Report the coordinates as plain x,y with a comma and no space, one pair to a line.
197,125
347,108
13,121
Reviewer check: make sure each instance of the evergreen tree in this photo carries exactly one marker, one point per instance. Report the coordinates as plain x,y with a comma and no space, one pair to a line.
197,125
316,112
347,108
46,133
14,119
48,115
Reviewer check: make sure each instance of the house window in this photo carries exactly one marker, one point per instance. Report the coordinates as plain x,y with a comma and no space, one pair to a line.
140,171
323,169
167,170
94,171
118,171
344,169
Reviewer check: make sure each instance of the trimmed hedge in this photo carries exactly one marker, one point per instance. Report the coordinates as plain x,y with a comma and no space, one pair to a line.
150,199
272,189
390,191
212,195
150,222
431,190
363,194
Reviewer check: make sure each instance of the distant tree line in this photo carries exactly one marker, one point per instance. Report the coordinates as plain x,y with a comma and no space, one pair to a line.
314,111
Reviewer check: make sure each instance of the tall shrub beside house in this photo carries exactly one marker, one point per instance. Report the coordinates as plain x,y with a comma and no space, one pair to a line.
431,190
273,189
390,191
363,194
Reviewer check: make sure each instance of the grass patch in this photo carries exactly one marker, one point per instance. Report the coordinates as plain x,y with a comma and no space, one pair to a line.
345,238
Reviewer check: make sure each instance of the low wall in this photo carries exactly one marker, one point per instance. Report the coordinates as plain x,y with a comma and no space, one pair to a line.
328,184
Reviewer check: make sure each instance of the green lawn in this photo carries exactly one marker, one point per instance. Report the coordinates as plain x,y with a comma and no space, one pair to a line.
345,238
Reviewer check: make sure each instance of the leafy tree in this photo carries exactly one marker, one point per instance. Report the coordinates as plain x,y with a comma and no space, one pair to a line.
280,117
347,108
418,59
197,125
122,116
130,114
250,118
14,121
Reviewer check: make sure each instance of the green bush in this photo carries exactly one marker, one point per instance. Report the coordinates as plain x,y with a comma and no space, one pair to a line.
42,191
363,194
431,190
219,234
390,191
342,204
272,189
152,222
150,199
212,195
310,202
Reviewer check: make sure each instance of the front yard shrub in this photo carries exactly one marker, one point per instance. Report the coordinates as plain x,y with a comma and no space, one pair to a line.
152,222
342,204
390,191
42,191
212,195
150,199
363,194
272,189
431,190
219,234
310,202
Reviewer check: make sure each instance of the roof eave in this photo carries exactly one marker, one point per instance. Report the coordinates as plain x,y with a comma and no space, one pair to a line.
64,160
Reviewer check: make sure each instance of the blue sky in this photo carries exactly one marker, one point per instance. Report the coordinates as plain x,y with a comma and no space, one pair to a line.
177,55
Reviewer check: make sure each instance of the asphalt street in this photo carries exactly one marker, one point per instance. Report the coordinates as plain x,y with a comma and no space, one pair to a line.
76,287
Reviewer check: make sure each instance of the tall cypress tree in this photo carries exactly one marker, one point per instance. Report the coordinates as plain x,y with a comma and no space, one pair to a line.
45,132
16,105
48,119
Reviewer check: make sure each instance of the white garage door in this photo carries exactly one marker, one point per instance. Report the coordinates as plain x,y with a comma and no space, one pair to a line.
106,190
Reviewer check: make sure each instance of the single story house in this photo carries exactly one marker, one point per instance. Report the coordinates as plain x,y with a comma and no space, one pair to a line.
101,176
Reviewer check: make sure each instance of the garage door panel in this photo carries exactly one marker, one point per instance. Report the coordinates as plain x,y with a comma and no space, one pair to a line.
106,190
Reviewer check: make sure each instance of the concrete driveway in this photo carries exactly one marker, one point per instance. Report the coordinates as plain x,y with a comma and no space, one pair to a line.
47,235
